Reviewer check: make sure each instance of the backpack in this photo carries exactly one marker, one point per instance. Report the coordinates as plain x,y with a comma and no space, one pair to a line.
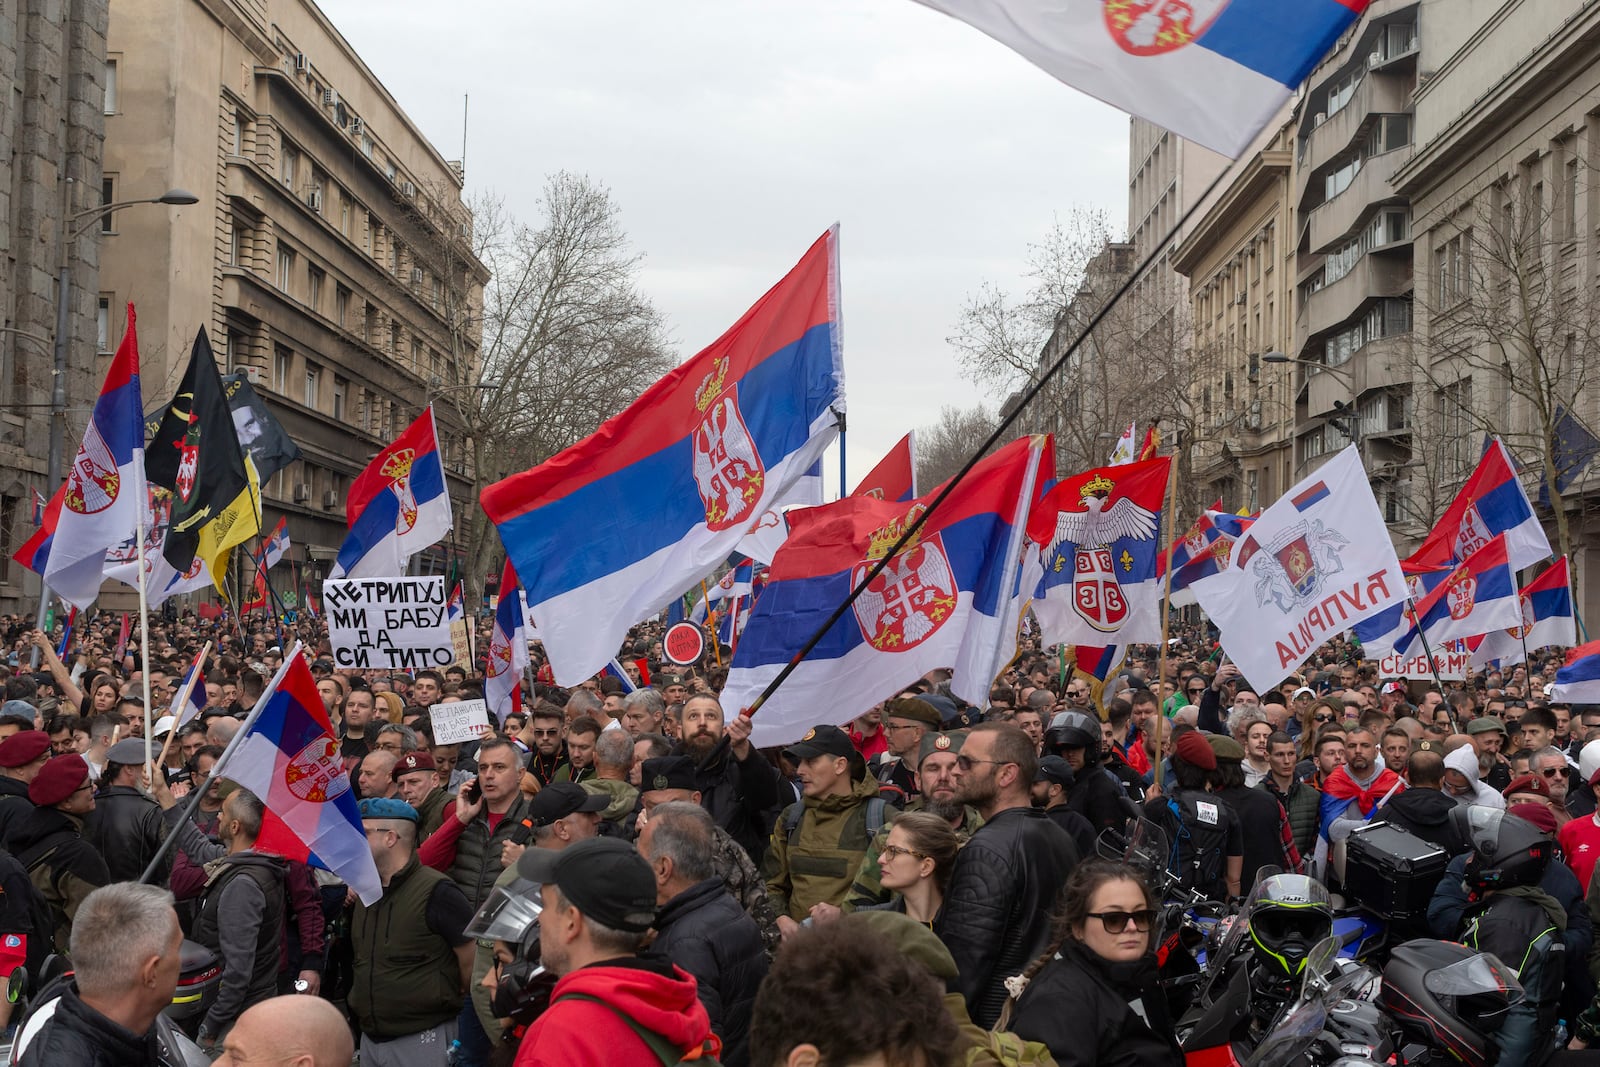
1198,845
1520,932
26,915
660,1047
877,807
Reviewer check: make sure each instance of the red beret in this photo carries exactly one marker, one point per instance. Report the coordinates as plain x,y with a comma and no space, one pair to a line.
1192,747
58,779
1527,783
23,747
413,761
1541,816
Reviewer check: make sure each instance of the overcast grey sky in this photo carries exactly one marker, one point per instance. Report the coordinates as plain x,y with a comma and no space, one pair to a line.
733,132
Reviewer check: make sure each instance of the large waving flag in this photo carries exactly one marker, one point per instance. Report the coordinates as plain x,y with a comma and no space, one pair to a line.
195,453
1211,71
737,581
1222,530
34,553
1477,597
1578,682
508,650
288,756
105,487
1099,534
895,476
1491,502
162,581
610,530
1315,563
1392,629
397,506
1547,619
952,598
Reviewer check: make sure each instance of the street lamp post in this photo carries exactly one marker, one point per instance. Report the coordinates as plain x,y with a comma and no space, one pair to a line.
73,226
1344,416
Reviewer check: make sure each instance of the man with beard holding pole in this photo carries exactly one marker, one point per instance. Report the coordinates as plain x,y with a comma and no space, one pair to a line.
737,786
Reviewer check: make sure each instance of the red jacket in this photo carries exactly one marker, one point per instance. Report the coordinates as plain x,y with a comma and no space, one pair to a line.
581,1033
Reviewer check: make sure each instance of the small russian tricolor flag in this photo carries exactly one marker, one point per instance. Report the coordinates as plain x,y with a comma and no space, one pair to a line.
1310,495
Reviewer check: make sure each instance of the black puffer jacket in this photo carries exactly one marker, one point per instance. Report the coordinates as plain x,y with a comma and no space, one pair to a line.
704,931
1080,1006
998,905
126,828
77,1034
1098,796
741,796
14,804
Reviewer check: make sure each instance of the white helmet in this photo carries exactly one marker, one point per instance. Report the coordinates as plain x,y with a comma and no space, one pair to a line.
1589,760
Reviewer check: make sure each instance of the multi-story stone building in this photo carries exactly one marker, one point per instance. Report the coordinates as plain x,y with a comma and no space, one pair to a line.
329,256
1506,211
1353,318
1238,257
53,75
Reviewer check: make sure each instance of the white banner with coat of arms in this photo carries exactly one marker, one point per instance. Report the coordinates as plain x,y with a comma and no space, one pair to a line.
1315,563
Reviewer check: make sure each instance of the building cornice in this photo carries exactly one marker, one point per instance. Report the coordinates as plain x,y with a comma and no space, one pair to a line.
1256,179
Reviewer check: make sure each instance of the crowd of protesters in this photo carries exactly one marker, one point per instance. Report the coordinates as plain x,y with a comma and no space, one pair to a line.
887,889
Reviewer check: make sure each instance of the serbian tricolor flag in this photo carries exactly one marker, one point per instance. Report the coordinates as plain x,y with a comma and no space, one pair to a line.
1211,71
39,503
737,581
397,506
952,598
1098,535
456,608
1392,629
508,650
35,551
1578,682
1477,597
183,710
288,756
104,494
1220,530
895,476
1098,661
276,545
1491,502
610,530
614,669
1547,619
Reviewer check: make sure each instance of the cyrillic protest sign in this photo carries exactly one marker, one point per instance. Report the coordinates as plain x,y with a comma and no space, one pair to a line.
1451,666
389,623
461,720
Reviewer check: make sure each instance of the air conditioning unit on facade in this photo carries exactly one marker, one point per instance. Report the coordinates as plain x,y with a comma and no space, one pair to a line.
314,199
252,375
302,492
416,275
356,126
301,63
1252,420
330,98
1322,116
407,189
330,500
1374,60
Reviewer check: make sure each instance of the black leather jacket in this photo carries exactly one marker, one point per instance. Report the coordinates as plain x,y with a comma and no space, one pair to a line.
77,1034
741,796
126,828
998,905
705,931
1081,1008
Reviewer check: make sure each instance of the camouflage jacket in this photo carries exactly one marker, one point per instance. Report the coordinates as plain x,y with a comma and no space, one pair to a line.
740,874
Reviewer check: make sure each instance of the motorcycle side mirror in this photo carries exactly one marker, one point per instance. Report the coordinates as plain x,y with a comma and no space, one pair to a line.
1110,845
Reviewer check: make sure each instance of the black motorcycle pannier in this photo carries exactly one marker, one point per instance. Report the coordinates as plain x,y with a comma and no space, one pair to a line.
1390,872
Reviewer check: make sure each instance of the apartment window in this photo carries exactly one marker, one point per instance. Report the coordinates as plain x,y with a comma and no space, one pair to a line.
1398,39
1569,197
1387,134
370,244
233,244
288,165
314,280
1339,179
435,291
341,306
238,134
344,214
102,324
313,384
369,327
282,364
395,251
108,195
318,190
111,87
236,347
1340,92
341,391
285,268
1451,262
1453,406
366,145
394,339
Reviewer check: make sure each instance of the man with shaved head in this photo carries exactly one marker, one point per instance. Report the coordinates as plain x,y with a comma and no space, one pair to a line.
291,1031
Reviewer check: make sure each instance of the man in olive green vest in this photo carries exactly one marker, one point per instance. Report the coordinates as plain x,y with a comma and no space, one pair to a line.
412,961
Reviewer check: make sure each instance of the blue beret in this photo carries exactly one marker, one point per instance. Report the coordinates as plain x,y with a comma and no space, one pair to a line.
385,808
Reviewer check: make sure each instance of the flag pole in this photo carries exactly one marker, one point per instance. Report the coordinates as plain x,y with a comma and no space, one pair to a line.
994,438
1166,603
144,625
182,702
1427,653
193,800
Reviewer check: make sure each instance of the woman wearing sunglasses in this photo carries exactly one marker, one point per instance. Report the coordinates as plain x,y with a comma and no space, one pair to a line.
1093,998
915,863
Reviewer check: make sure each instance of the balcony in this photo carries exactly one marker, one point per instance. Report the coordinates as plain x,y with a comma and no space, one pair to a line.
1376,93
1373,275
1339,218
1379,364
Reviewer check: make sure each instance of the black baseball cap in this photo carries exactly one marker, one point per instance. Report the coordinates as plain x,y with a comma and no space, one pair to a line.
668,772
603,877
1057,770
560,799
820,741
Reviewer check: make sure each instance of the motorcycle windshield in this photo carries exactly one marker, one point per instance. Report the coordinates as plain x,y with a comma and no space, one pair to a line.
1483,973
1147,850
